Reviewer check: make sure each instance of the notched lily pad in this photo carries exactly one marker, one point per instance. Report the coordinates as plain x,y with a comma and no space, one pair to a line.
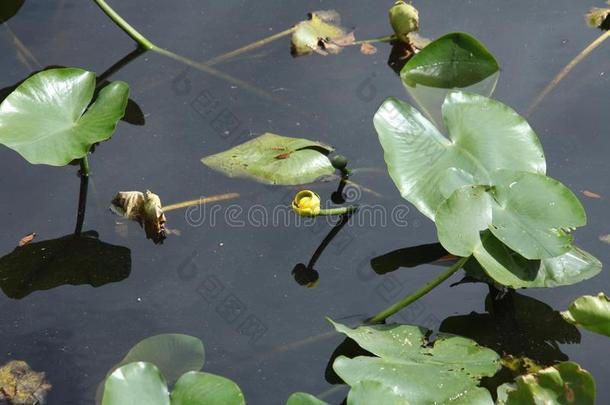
562,384
20,385
47,119
145,209
412,368
275,159
589,312
320,33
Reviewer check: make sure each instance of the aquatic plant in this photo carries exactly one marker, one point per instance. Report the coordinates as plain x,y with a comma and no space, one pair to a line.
590,312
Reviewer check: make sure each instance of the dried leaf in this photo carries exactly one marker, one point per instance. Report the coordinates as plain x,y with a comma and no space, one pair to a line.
591,194
368,49
144,208
598,18
321,33
20,385
27,239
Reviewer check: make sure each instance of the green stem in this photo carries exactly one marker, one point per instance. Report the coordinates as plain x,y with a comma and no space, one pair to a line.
339,211
409,299
124,25
387,38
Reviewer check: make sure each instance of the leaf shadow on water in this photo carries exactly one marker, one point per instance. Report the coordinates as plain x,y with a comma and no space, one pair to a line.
73,260
133,113
8,9
412,256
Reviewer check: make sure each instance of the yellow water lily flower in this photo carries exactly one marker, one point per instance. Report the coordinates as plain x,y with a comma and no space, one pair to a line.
306,203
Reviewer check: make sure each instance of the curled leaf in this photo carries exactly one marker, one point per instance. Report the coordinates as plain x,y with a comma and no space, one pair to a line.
320,33
20,385
144,208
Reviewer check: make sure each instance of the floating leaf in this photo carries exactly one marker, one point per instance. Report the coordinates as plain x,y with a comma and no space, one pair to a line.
529,212
145,209
485,135
589,312
20,385
73,260
46,119
319,33
8,8
413,369
513,270
302,398
374,392
453,60
275,159
136,383
564,383
197,388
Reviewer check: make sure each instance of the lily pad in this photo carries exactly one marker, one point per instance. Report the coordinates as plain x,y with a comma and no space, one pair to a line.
529,212
509,268
563,384
275,159
47,118
136,383
320,33
197,388
589,312
302,398
453,60
414,369
8,8
485,136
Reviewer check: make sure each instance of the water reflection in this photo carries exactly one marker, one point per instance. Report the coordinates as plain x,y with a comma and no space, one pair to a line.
518,325
73,260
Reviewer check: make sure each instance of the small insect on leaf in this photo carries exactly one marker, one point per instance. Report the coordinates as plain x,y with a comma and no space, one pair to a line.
27,239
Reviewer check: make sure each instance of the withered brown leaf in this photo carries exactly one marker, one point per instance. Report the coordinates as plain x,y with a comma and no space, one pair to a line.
144,208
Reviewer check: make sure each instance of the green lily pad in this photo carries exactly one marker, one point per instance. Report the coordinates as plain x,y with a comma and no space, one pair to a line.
509,268
197,388
374,392
446,370
529,212
46,119
485,136
589,312
136,383
453,60
275,159
303,398
563,384
8,8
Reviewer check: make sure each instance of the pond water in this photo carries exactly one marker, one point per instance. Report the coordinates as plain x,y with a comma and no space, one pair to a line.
226,256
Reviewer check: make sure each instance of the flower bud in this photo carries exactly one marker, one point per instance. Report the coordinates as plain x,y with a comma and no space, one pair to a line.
306,203
404,19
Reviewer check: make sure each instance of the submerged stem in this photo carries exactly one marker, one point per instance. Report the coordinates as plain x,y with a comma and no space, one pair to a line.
387,38
82,195
339,211
200,201
567,69
409,299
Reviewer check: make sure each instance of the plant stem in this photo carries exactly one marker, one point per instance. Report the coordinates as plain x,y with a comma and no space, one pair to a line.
567,69
200,201
124,25
249,47
339,211
82,195
409,299
387,38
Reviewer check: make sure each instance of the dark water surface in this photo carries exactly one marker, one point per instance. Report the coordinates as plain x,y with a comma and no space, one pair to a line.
76,333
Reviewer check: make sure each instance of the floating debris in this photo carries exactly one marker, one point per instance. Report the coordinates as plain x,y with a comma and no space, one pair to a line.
27,239
20,385
591,194
320,33
144,208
